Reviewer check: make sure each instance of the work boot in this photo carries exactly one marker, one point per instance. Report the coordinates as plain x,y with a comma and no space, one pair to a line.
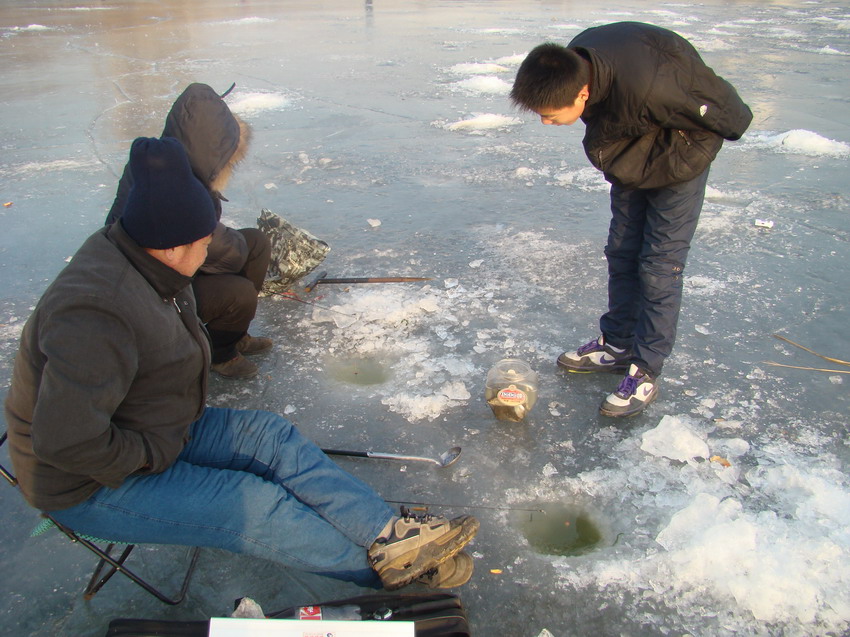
595,356
635,392
237,368
417,544
454,572
249,345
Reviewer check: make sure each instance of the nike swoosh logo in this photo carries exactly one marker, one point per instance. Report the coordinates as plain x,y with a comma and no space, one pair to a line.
646,391
605,360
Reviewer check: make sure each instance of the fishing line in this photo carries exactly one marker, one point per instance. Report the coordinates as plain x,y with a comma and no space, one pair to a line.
294,297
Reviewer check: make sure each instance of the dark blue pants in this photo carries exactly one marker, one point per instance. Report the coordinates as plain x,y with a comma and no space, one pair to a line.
648,243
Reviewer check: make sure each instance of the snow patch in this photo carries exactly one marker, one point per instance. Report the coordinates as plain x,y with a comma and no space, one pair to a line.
258,102
482,122
484,85
798,142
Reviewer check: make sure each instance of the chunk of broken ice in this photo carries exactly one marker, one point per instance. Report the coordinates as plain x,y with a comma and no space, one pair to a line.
674,439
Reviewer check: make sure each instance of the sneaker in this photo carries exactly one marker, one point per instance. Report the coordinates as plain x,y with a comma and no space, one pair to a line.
595,356
635,392
237,368
253,344
454,572
417,544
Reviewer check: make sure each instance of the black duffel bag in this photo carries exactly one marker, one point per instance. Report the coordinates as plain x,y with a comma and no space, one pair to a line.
433,615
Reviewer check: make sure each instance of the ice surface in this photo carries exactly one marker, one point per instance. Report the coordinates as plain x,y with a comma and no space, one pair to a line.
384,129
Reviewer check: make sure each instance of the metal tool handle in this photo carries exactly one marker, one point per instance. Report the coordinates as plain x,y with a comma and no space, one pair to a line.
375,454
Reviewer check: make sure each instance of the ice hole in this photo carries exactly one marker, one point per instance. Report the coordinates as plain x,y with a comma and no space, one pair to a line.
559,529
358,371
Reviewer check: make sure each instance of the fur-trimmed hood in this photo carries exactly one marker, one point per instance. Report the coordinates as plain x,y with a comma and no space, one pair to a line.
215,139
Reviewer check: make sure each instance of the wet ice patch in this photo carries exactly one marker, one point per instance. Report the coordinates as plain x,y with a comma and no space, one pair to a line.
713,193
10,330
586,179
798,141
56,165
258,102
703,286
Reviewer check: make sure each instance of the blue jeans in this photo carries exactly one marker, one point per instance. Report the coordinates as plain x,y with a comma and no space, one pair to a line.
648,243
247,482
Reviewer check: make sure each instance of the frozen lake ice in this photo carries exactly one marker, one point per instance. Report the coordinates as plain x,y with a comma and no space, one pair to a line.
384,129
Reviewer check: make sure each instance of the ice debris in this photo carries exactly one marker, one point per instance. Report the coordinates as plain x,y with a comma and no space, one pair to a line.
674,439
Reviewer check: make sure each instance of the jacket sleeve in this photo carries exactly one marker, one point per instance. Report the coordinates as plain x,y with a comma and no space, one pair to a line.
72,426
227,253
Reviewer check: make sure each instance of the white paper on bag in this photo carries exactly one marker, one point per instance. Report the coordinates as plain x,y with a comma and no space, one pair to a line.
237,627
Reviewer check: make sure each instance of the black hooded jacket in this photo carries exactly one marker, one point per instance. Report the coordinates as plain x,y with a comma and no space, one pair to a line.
111,372
203,123
657,115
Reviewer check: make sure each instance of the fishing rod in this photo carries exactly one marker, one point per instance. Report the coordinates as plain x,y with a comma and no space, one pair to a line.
466,506
322,278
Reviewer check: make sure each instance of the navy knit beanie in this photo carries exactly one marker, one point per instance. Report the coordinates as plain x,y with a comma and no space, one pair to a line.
167,205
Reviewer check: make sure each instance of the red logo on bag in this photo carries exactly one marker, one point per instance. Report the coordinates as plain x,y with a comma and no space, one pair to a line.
310,612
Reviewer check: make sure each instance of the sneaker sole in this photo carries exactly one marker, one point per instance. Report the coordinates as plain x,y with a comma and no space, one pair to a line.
464,567
406,568
611,369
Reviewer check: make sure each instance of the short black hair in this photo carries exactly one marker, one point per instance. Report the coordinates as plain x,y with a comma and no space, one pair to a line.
551,76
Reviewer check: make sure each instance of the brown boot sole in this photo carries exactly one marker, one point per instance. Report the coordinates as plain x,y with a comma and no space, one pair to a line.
406,568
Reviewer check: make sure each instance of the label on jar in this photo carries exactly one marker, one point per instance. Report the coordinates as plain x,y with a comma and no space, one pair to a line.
510,395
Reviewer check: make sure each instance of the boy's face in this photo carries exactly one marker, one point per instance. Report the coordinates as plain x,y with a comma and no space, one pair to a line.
566,115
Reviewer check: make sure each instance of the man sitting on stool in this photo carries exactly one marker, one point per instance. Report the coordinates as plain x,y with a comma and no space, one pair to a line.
109,432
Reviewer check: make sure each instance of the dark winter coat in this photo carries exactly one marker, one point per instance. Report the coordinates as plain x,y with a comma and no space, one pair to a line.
656,115
111,371
203,123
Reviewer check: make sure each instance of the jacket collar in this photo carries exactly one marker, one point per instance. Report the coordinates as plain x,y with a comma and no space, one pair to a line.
601,76
166,281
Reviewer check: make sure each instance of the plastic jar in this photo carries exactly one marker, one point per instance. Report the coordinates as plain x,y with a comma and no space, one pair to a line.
511,389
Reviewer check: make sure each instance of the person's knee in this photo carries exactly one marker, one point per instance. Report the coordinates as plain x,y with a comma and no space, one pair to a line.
257,240
230,303
661,277
621,261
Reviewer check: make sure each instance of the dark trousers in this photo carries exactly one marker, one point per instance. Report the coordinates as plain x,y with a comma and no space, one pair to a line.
648,243
227,302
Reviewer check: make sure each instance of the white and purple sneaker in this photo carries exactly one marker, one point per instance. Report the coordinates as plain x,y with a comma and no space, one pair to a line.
635,392
595,356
